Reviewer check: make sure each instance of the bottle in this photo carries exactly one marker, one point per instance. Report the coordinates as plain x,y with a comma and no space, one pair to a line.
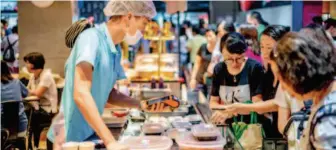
153,83
161,83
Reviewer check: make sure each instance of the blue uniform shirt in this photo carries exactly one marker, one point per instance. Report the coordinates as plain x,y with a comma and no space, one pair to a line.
96,47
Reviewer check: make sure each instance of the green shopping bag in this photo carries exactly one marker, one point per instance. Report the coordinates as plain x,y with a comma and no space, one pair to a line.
250,136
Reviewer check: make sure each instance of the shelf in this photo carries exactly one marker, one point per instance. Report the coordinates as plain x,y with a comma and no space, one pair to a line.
158,38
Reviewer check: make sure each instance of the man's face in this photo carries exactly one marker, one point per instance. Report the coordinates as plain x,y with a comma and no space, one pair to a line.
234,62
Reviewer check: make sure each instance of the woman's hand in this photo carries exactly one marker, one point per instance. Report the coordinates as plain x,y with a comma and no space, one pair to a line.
116,146
237,108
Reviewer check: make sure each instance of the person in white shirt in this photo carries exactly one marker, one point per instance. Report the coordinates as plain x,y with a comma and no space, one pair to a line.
12,39
42,85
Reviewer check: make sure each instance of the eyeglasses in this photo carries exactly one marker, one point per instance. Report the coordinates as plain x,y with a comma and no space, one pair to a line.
240,60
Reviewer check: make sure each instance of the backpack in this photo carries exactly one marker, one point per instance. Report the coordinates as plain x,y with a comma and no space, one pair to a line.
327,110
9,53
295,126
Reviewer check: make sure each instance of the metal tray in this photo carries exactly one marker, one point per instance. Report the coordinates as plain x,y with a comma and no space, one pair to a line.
181,111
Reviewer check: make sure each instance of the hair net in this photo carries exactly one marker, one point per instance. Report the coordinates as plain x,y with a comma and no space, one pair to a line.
136,7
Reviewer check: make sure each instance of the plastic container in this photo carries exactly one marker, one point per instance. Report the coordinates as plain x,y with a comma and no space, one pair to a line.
175,118
182,124
160,120
153,129
186,141
194,119
111,119
148,143
205,132
174,133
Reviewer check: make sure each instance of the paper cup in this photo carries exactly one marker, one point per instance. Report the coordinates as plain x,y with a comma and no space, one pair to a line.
70,146
87,146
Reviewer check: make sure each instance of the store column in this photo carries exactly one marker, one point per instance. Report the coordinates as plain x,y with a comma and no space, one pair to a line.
43,30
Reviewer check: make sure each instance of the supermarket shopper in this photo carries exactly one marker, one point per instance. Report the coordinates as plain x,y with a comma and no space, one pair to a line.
202,61
92,70
305,64
237,79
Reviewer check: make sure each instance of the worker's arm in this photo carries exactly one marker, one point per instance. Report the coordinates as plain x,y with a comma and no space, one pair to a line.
119,99
86,104
245,109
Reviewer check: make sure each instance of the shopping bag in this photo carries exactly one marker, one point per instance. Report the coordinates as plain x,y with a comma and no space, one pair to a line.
250,136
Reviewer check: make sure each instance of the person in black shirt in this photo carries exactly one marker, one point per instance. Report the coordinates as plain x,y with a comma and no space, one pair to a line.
202,62
237,79
268,40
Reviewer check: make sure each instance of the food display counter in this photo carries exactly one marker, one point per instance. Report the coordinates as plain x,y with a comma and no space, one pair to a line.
184,128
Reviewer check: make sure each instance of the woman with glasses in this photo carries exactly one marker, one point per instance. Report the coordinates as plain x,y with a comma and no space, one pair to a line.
237,79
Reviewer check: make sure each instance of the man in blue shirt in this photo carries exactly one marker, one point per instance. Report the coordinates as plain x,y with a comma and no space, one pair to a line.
92,70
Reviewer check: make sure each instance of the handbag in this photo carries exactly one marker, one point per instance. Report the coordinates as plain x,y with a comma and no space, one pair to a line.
250,136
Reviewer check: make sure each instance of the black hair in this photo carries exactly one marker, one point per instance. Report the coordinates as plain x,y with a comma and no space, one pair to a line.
234,43
306,62
196,30
256,15
276,32
15,29
5,73
4,22
228,27
313,26
329,23
317,20
35,58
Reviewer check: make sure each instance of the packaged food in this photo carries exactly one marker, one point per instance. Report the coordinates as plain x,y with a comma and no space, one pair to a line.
152,129
148,143
194,119
182,124
186,141
205,132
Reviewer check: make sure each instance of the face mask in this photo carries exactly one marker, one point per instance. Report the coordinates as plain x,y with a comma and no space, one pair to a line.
132,40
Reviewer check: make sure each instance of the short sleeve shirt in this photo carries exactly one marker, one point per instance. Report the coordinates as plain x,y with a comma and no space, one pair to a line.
239,88
284,100
96,47
49,99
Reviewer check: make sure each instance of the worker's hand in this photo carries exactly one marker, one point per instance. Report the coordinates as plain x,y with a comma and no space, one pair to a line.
219,117
116,146
193,84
